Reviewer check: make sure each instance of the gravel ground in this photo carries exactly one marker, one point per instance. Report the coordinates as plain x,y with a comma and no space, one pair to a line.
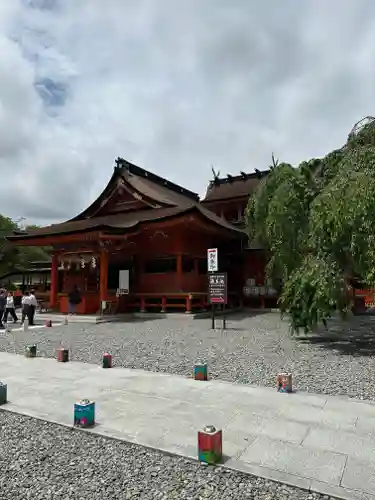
252,350
42,461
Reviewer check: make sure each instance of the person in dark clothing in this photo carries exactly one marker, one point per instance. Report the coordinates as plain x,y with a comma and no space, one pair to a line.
75,298
3,302
26,308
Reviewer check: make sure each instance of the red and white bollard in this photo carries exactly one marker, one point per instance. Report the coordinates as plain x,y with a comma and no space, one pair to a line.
284,382
62,355
107,360
210,445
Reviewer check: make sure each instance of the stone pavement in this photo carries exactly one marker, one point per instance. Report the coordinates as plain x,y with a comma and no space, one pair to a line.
317,442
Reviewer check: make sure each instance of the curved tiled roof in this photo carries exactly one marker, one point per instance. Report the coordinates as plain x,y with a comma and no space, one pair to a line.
153,188
233,187
124,222
161,200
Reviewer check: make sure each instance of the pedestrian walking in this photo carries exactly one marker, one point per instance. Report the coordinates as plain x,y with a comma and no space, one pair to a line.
10,309
3,302
33,306
26,310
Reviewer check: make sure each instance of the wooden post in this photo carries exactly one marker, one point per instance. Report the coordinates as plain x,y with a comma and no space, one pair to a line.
179,271
213,316
54,280
188,304
142,305
239,213
163,304
103,275
196,266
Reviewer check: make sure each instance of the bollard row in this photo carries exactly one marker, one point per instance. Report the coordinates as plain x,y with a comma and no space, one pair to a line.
283,380
210,439
62,355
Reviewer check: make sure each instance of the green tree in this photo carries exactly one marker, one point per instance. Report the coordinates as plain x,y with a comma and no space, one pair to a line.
317,222
8,253
17,257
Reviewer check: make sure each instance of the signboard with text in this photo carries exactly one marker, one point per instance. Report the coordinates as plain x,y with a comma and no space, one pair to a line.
212,260
217,288
123,279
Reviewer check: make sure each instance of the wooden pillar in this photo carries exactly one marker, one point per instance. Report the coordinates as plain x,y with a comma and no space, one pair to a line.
196,266
188,304
142,307
54,281
179,271
163,304
239,214
103,275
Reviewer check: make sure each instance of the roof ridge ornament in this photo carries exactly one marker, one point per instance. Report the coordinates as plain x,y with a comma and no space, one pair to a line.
216,175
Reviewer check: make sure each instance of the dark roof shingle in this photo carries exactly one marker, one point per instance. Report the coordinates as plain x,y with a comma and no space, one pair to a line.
237,186
122,221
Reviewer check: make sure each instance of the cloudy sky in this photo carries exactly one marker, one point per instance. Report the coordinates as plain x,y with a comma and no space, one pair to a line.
173,85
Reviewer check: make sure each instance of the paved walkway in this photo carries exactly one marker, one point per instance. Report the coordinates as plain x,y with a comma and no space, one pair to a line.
316,442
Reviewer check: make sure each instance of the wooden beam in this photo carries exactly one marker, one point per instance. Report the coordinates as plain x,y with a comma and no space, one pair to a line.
103,274
179,270
54,280
117,237
59,239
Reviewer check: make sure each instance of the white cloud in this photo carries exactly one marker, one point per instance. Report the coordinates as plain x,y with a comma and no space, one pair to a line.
174,87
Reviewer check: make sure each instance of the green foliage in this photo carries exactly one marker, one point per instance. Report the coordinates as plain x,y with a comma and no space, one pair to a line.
12,257
277,216
8,254
312,291
317,222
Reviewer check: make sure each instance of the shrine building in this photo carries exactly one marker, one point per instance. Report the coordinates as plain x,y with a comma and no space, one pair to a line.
157,233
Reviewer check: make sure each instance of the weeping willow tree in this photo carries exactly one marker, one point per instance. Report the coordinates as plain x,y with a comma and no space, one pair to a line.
317,222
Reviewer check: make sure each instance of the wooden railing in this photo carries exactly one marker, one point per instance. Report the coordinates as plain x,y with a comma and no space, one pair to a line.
167,302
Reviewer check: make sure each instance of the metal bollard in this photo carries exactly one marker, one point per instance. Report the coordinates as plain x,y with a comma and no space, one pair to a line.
200,372
84,413
3,393
30,351
25,325
284,382
107,360
65,320
62,355
210,445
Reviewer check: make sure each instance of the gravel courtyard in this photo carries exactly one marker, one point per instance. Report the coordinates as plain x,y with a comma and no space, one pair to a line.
44,461
251,351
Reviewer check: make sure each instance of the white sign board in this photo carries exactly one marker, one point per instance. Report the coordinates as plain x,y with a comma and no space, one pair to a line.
212,260
124,281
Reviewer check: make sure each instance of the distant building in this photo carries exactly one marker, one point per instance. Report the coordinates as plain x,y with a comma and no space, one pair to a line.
38,275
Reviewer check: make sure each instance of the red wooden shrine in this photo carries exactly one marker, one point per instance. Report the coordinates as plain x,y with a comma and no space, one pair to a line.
160,233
